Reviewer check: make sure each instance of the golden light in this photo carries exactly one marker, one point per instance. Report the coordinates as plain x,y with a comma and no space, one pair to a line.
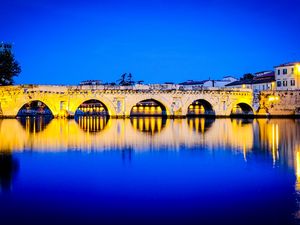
272,98
298,68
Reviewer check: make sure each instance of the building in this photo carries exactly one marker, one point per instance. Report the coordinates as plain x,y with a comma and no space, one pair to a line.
209,83
261,81
264,80
288,76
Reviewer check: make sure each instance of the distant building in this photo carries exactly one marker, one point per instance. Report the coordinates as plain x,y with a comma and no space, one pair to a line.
91,82
287,76
261,81
219,83
5,46
209,83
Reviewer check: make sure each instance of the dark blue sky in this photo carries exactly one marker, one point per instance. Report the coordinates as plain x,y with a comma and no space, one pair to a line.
65,42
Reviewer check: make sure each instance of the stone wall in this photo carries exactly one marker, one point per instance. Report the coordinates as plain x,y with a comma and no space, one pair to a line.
279,103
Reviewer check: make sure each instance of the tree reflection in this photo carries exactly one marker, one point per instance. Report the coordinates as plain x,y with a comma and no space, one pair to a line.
92,123
9,167
149,125
34,124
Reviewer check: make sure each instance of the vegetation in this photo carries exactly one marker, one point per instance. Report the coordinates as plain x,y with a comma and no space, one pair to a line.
247,76
126,80
9,67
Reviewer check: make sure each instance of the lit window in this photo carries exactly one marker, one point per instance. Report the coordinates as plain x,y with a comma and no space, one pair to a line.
284,71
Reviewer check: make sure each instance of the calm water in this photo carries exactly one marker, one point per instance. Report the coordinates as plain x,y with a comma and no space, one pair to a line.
149,171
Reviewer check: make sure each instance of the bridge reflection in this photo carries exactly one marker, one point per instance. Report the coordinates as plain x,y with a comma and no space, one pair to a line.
276,139
92,123
149,125
34,124
200,125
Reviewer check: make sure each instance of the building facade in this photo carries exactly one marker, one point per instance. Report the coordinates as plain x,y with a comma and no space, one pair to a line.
261,81
287,76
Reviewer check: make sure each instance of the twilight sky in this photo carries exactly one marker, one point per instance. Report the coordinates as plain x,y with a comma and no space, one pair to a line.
67,41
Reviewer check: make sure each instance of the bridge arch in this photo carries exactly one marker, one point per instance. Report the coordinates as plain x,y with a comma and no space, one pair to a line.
149,107
76,102
33,108
200,107
92,107
241,109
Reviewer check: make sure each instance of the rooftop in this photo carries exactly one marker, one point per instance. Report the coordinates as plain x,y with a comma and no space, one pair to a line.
288,64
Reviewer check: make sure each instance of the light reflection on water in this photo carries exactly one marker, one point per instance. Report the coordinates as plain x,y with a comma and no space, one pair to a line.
98,133
224,147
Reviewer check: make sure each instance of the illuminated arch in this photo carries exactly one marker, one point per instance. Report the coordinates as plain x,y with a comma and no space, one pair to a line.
76,102
34,108
92,107
148,107
200,107
242,109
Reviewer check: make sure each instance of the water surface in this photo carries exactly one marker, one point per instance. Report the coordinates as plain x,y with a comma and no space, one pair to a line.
96,170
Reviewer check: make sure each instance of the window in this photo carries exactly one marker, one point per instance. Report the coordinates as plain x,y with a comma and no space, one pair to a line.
279,83
278,72
292,70
292,82
284,83
284,71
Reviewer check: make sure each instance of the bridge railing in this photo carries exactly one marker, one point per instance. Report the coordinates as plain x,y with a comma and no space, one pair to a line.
149,87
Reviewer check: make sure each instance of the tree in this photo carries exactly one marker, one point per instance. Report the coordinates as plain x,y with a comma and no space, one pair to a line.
122,79
9,67
247,76
126,79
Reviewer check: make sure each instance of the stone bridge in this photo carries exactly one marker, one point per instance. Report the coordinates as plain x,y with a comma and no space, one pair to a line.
63,101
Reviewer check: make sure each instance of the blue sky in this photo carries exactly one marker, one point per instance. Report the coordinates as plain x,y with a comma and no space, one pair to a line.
65,42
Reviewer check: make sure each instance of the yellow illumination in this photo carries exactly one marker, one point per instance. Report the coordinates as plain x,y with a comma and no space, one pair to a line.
298,68
273,98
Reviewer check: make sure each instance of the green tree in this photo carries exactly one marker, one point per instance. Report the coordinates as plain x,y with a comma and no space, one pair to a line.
9,67
247,76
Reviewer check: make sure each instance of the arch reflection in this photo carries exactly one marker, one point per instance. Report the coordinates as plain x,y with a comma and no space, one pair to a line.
34,124
149,125
200,125
92,123
9,167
